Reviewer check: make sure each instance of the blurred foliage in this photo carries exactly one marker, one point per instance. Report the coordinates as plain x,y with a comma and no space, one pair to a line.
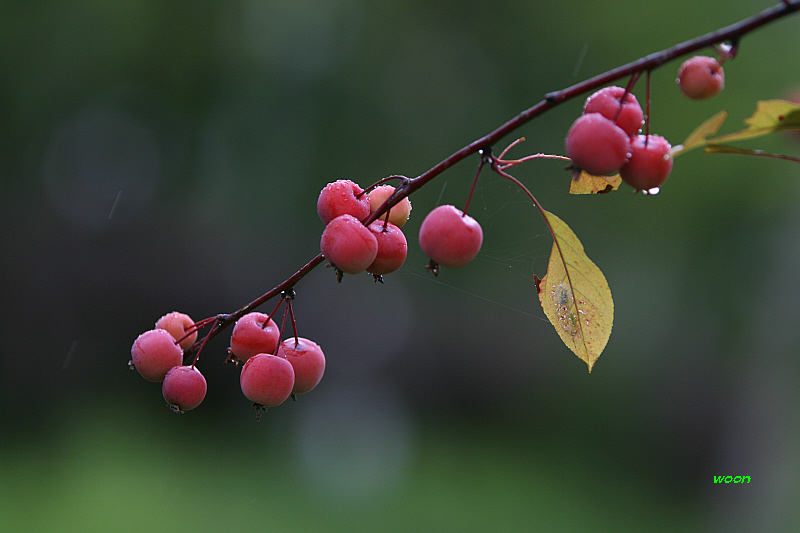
167,156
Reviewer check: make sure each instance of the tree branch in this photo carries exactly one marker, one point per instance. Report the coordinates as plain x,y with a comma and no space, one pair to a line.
732,34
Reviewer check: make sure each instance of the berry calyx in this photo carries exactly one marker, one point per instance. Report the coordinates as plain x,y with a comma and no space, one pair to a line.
252,334
701,77
178,324
184,388
398,214
267,380
342,197
348,244
450,237
154,353
650,163
597,145
392,248
608,102
307,360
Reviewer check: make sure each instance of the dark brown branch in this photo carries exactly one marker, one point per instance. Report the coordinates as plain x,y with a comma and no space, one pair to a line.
732,33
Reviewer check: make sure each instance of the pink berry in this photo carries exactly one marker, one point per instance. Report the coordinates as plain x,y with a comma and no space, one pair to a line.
650,163
597,145
348,244
392,248
178,324
184,388
701,77
607,102
154,352
254,333
450,237
307,360
342,198
398,214
267,380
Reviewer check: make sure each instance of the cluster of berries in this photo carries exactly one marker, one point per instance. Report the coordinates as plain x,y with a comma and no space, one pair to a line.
450,237
606,139
379,248
272,370
275,370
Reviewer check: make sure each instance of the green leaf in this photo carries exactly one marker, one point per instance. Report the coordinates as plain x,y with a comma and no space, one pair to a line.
585,183
770,116
574,295
701,133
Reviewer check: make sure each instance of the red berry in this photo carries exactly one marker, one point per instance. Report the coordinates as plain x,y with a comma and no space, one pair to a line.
348,244
178,324
184,388
701,77
392,248
450,237
650,163
597,145
307,360
267,380
254,333
398,214
154,352
342,197
607,102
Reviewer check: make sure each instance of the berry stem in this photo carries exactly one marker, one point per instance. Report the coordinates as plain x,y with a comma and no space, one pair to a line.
472,189
647,109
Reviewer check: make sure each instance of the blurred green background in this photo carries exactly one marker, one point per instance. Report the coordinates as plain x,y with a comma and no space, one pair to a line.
161,156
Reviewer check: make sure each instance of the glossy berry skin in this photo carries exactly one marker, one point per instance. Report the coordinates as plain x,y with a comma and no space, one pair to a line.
267,379
607,101
154,353
650,163
307,360
178,324
449,237
392,248
250,336
701,77
348,244
398,214
184,388
342,197
597,145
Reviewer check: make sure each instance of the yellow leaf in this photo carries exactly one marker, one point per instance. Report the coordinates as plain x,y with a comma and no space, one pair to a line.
575,296
770,116
701,133
585,183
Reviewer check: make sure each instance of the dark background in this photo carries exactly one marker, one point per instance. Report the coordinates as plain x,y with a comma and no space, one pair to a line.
167,156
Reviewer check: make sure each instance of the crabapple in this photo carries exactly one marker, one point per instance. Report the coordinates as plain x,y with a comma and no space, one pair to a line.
184,388
650,163
348,244
607,102
392,247
307,360
254,333
597,145
267,379
398,214
701,77
154,352
342,197
178,324
450,237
